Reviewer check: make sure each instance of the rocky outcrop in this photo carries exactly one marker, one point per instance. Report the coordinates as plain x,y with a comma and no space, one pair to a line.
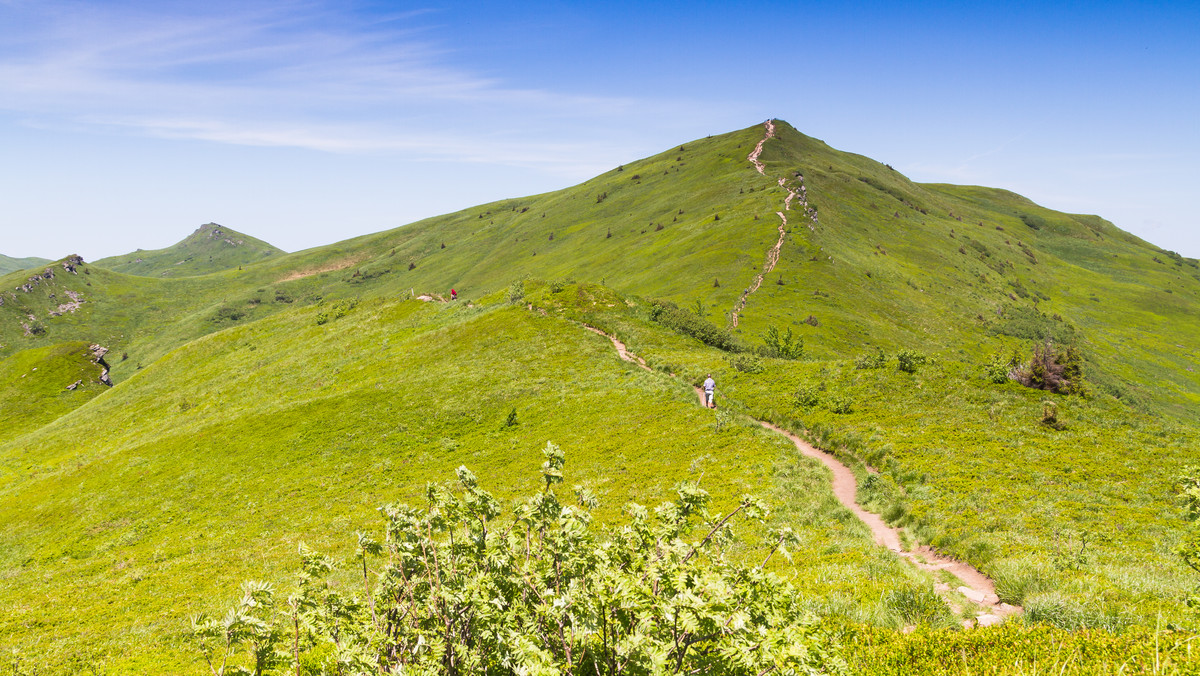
63,308
98,353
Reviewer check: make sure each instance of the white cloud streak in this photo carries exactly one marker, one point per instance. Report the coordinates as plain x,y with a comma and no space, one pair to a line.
297,75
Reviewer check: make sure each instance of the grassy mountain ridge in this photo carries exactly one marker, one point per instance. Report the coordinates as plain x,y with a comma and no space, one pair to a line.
210,248
284,401
884,242
9,264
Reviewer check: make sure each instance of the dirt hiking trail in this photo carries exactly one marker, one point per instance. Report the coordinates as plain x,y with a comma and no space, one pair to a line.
797,193
975,586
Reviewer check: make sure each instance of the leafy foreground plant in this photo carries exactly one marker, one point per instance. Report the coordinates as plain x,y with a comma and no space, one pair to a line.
460,591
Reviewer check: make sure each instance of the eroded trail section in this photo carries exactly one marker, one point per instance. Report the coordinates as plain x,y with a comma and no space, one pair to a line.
754,154
768,265
621,349
773,252
795,192
976,587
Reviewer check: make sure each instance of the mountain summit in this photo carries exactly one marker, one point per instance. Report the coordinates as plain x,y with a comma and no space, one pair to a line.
211,248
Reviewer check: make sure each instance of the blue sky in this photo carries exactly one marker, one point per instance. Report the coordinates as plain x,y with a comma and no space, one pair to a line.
126,125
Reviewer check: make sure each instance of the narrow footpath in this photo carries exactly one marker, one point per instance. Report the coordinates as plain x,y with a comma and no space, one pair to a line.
794,193
975,586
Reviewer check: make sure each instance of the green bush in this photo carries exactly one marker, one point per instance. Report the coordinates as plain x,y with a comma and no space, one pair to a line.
907,360
839,403
516,292
871,361
690,324
1187,490
456,588
808,396
997,369
337,310
746,363
783,345
228,313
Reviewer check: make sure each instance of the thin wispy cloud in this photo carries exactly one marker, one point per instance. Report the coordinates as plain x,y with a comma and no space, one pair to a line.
298,75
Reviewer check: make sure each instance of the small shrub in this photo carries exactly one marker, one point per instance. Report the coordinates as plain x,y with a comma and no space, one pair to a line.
839,404
228,313
723,420
412,266
337,310
516,292
511,420
997,369
1034,222
807,396
716,283
690,324
746,363
1052,369
1050,415
783,345
908,360
872,361
811,320
1187,490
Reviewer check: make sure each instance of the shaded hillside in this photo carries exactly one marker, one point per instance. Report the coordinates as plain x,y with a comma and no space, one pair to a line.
209,249
9,264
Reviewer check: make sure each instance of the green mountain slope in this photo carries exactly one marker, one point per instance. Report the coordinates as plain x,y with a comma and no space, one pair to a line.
39,385
210,248
211,463
886,262
283,400
9,264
